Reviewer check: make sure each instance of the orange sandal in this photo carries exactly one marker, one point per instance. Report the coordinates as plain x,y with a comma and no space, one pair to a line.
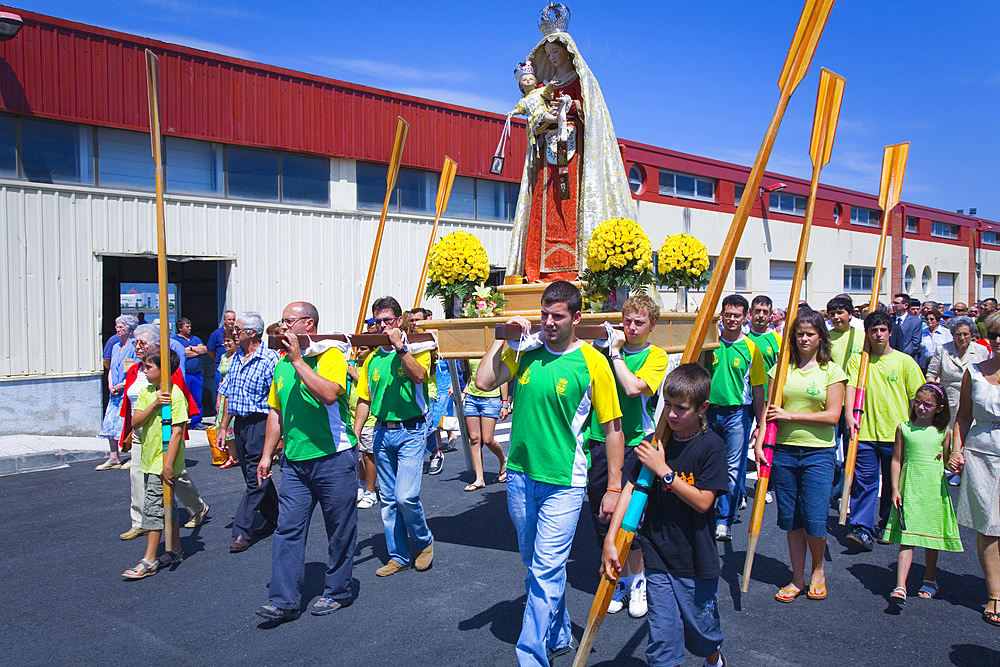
788,593
817,592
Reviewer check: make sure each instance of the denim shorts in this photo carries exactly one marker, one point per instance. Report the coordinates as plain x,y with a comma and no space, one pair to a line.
482,406
803,479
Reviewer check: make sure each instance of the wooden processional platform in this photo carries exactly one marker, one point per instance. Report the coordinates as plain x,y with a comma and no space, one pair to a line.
468,338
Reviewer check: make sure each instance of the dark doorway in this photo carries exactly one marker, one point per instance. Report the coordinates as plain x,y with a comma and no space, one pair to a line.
200,298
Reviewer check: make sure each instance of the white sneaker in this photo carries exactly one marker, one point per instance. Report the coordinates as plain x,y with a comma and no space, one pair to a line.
127,465
361,493
722,533
367,500
743,503
637,600
768,498
618,599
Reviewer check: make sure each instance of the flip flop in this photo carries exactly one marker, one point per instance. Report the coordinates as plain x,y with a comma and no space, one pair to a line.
475,487
928,590
788,593
817,592
992,617
502,477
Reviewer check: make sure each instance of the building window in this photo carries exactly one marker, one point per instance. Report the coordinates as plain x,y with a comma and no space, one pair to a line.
858,278
193,167
56,152
741,274
989,290
673,184
417,191
8,146
492,201
925,280
837,211
991,238
911,224
252,173
371,187
636,178
944,230
779,202
738,190
865,217
908,278
305,179
124,159
946,288
462,200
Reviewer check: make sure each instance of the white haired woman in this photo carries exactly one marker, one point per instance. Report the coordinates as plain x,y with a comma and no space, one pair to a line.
122,357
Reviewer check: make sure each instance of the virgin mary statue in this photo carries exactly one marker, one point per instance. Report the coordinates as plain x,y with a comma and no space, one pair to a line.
571,182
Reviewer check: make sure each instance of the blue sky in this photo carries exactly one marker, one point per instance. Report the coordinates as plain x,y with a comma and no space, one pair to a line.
698,77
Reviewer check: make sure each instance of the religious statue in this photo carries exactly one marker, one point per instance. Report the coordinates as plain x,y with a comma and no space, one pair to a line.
573,177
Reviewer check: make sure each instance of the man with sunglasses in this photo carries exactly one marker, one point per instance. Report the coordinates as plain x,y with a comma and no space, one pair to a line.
392,385
246,389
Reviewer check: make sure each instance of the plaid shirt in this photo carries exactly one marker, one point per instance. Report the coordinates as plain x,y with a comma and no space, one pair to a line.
248,382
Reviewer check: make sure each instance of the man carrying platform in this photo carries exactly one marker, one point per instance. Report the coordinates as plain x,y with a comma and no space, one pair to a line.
639,368
558,381
308,401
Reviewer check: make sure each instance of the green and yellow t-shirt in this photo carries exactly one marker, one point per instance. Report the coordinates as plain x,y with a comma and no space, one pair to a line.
471,388
312,429
393,395
649,365
554,394
769,344
893,380
805,391
151,458
845,344
736,368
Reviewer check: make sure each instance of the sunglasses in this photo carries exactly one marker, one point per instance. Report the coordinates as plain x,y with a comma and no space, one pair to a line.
385,320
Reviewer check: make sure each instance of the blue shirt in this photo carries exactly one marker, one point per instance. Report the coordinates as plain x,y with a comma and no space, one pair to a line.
191,365
248,381
118,355
179,348
215,345
110,345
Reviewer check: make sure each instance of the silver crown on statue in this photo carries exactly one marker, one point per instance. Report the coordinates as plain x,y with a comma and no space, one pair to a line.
524,67
554,17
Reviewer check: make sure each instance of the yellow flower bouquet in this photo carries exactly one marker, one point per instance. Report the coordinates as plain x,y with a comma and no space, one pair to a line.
619,254
458,264
683,262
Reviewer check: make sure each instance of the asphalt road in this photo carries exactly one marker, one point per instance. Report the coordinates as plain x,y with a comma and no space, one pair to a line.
65,600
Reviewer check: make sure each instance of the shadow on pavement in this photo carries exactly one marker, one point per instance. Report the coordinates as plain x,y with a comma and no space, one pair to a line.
965,655
503,619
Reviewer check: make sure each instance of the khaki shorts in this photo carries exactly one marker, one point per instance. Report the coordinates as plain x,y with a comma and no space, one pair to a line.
366,441
152,503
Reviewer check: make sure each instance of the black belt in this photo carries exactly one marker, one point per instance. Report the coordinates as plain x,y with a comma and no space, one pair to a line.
406,423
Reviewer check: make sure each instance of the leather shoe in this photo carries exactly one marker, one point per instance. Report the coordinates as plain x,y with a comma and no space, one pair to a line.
272,613
239,544
390,568
425,557
133,533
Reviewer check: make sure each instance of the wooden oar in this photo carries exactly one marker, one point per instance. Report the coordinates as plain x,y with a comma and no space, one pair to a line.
402,129
153,91
828,99
800,53
893,168
444,192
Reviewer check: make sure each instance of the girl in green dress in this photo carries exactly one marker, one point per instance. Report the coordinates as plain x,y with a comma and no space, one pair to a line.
922,514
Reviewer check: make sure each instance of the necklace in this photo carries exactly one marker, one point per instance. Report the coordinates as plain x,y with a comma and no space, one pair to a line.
685,438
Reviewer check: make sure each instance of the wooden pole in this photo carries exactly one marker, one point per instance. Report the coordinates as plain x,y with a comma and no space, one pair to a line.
893,169
800,53
402,129
153,91
828,99
444,192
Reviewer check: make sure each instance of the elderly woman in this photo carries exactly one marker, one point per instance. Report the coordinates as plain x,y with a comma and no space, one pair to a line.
122,357
976,453
147,339
932,338
950,361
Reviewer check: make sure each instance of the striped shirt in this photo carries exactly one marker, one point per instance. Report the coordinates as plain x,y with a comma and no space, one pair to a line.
248,381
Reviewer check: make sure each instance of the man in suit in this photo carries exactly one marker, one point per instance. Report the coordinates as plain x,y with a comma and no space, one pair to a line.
906,328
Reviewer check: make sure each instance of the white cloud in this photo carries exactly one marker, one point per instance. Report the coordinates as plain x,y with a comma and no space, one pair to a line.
183,11
204,45
390,71
461,98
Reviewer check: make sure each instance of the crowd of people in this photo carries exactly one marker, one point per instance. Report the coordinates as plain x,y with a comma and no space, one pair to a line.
351,428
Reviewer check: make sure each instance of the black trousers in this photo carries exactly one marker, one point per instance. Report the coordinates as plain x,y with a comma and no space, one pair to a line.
259,505
597,485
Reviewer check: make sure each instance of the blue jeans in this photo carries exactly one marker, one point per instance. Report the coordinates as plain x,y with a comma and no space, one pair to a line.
683,612
331,482
399,463
482,406
442,405
873,458
545,518
802,479
732,424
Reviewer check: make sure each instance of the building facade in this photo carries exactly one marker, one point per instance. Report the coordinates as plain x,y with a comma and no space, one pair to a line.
274,182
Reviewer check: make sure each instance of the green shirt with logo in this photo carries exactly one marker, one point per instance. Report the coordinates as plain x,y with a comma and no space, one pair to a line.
805,391
844,344
649,365
393,395
893,380
736,368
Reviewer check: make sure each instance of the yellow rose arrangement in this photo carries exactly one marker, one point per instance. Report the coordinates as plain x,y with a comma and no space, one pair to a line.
457,265
683,262
619,254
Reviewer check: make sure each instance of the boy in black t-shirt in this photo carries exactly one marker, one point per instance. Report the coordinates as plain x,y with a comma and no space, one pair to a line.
682,561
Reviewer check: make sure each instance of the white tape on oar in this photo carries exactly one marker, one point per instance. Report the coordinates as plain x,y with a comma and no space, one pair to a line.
318,347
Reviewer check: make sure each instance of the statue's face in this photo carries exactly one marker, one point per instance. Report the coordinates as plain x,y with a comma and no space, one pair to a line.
558,55
528,82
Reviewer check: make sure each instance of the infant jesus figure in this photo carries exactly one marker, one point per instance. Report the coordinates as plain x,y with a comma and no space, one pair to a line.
537,105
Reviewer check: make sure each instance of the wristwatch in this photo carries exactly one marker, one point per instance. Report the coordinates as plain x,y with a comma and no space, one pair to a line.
404,349
668,479
616,355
